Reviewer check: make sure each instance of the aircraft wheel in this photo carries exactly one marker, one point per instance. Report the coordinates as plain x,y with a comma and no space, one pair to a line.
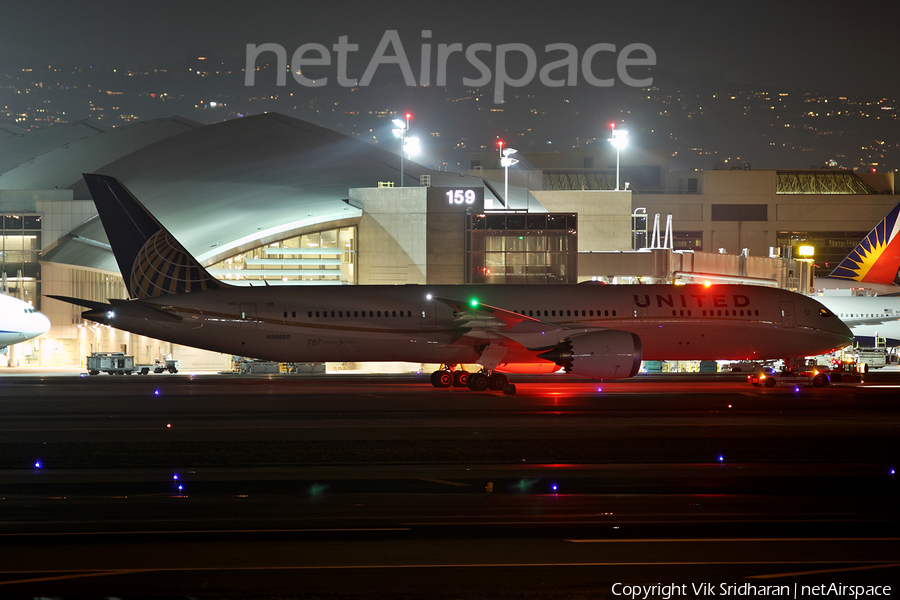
442,379
461,378
478,382
770,382
509,389
498,381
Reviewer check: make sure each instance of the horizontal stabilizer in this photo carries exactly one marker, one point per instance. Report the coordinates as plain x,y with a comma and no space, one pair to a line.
79,302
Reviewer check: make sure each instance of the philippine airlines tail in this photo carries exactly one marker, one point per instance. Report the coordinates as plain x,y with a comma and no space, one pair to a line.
877,257
152,262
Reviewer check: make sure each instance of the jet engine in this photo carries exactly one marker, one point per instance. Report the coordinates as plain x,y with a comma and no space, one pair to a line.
606,354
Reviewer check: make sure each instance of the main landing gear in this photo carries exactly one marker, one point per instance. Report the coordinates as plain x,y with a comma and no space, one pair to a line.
484,380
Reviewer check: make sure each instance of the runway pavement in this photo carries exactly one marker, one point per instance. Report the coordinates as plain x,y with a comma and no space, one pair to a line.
347,486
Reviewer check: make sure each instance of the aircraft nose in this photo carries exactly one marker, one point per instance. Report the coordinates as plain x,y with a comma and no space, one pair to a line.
38,325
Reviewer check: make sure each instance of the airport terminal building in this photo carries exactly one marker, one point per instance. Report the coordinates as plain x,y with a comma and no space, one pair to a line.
271,200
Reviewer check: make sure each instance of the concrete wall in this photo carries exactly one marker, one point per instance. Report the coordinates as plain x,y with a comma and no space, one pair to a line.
392,235
604,217
786,212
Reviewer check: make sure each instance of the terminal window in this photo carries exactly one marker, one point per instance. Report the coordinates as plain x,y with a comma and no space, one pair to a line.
320,257
521,248
19,249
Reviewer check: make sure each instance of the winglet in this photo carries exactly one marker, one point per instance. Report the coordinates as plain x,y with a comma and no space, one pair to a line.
152,262
877,257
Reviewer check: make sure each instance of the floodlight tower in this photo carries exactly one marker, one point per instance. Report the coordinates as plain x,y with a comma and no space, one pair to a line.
400,132
619,139
506,162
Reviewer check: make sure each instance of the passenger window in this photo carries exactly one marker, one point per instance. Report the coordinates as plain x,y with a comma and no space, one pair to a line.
317,314
285,314
309,314
294,314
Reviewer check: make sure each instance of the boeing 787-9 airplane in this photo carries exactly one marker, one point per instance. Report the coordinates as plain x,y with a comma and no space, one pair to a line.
589,330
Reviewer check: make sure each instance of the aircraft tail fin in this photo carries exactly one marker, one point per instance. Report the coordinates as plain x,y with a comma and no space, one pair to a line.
877,257
152,262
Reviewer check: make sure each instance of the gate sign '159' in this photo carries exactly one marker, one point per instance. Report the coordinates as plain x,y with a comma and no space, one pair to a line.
461,196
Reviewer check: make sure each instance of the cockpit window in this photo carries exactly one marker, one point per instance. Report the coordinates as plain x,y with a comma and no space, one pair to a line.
825,312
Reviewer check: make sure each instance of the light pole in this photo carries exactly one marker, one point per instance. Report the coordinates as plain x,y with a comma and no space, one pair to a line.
400,132
619,139
411,147
506,162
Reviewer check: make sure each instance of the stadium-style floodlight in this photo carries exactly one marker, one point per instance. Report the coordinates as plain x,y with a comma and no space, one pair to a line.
506,162
400,132
411,146
619,139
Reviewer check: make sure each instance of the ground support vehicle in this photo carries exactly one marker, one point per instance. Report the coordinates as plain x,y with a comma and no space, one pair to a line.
814,378
114,363
162,364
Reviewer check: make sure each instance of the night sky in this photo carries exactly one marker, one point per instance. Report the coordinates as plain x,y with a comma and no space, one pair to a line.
704,50
828,46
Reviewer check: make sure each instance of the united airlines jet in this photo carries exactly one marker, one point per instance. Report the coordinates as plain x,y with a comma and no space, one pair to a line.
589,330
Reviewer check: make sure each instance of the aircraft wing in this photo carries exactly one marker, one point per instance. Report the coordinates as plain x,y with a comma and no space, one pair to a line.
484,321
487,315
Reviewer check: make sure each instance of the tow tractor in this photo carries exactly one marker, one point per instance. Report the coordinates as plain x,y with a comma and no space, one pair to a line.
807,372
814,378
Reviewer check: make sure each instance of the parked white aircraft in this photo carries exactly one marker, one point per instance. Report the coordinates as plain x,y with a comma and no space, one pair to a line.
19,321
591,330
868,317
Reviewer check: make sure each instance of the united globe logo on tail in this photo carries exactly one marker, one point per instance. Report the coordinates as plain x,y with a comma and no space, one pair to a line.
150,259
164,267
877,257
